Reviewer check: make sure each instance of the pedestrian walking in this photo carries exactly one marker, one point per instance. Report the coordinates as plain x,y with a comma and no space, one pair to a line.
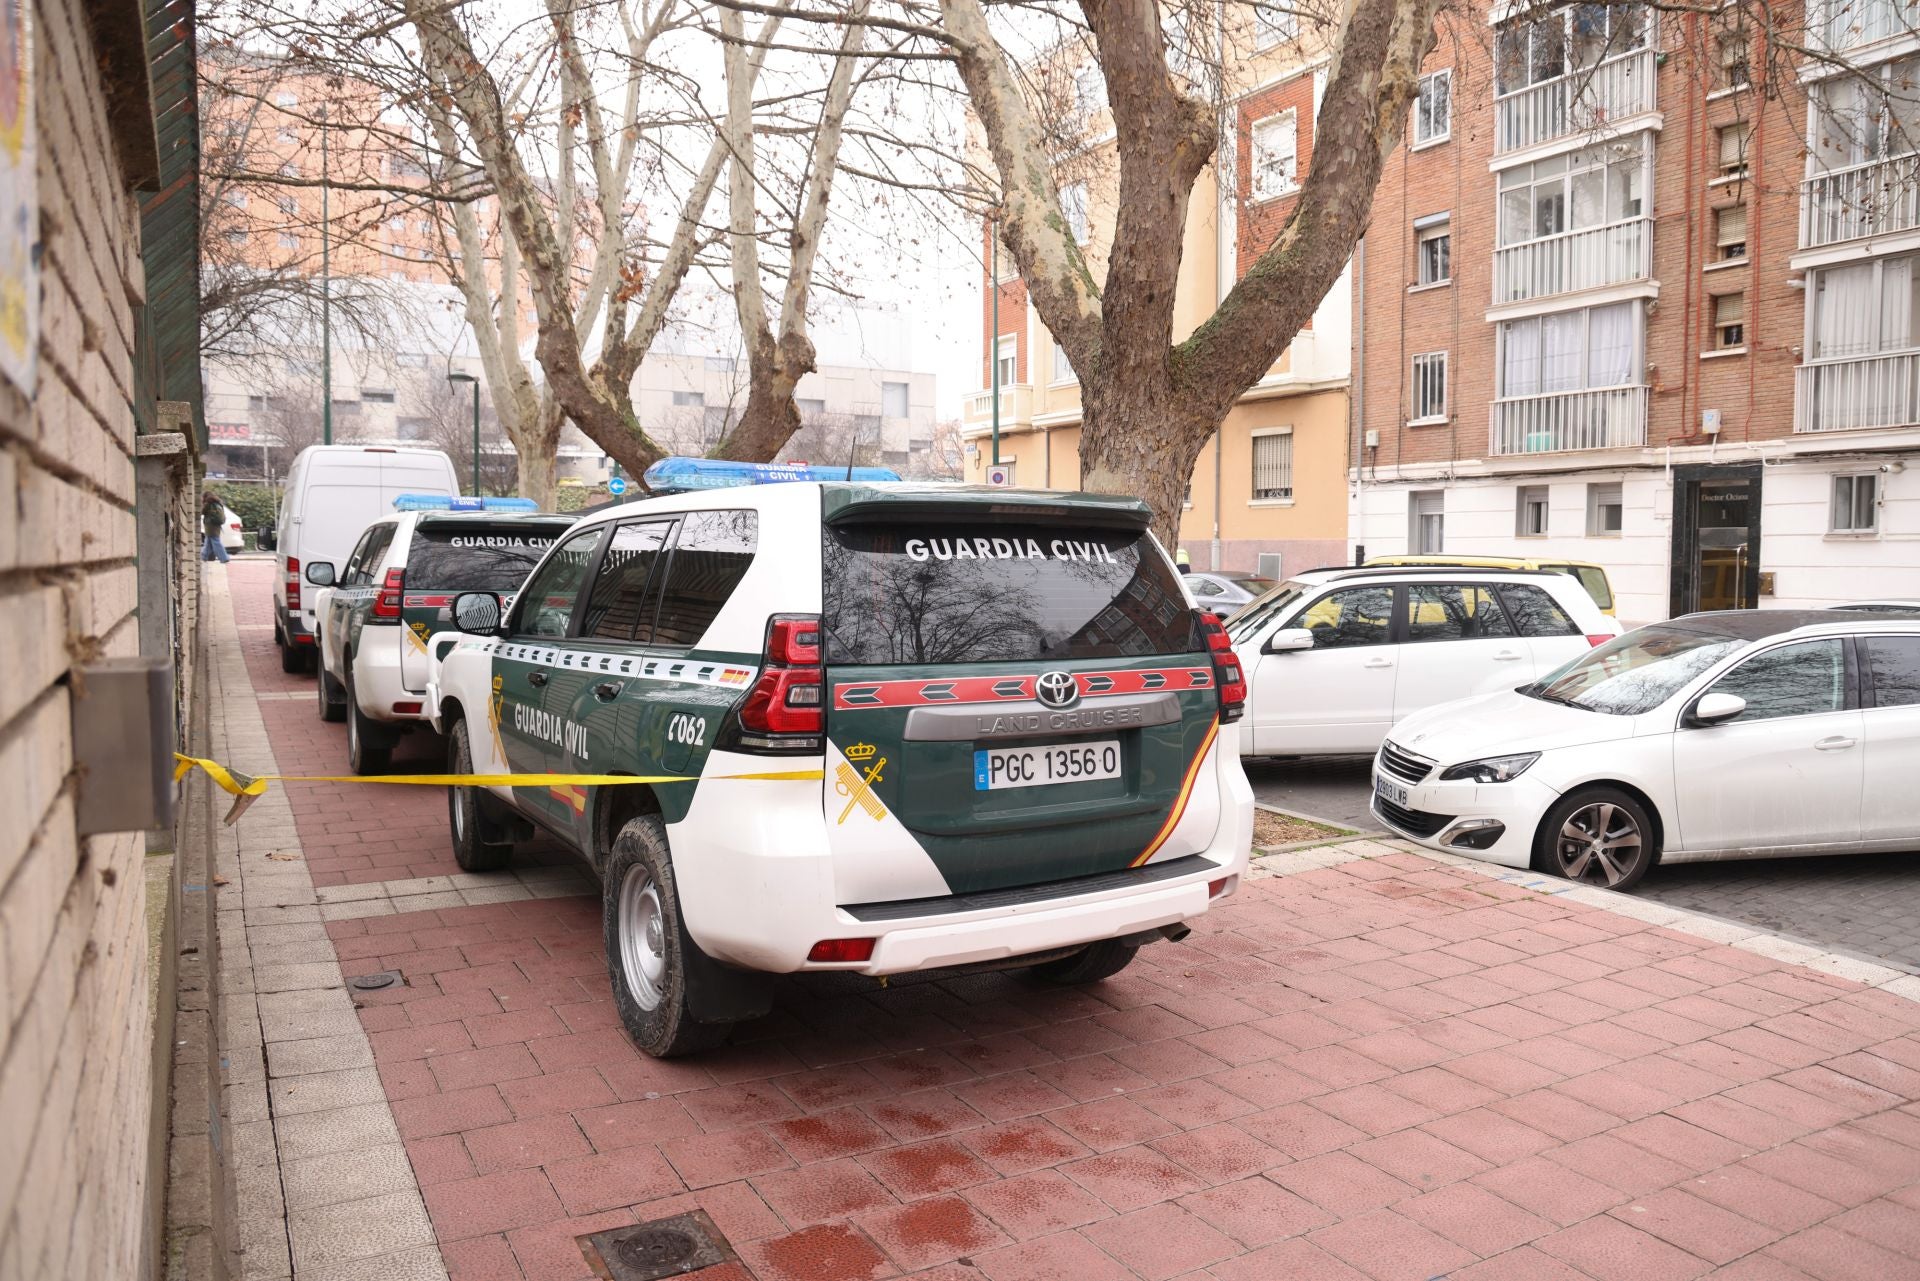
213,515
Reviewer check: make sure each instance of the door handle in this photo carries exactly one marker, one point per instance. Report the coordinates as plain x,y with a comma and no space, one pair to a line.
536,679
1835,743
1378,662
607,691
1506,656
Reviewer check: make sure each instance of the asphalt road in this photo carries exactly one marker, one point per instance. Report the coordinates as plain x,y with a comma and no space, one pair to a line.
1867,904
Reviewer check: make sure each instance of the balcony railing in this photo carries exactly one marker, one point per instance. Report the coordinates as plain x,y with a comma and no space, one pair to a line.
1605,418
1874,391
1580,101
1583,259
1016,409
1861,200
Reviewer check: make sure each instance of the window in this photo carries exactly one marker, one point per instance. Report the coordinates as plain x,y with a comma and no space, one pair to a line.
1273,465
1793,680
1356,616
1089,90
1729,321
1579,36
1073,207
1444,611
1894,663
618,608
1856,504
289,206
1732,50
1274,152
1570,351
546,602
1535,612
1429,387
405,167
689,399
1434,249
920,592
284,99
1593,187
1606,509
1007,360
893,400
289,241
1433,111
1868,114
810,407
710,557
1864,21
1530,511
1427,522
236,235
1274,25
416,429
1730,233
377,397
446,557
1733,148
1062,367
286,137
1865,308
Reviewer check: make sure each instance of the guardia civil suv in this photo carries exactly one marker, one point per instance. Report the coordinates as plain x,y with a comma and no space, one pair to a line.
372,617
889,728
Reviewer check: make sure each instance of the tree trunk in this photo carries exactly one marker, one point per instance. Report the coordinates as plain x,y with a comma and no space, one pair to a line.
1139,439
771,416
537,456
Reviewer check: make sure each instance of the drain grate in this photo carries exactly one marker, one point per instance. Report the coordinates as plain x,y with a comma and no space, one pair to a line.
374,982
663,1248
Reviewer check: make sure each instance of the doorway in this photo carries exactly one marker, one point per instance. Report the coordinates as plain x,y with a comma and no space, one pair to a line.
1716,538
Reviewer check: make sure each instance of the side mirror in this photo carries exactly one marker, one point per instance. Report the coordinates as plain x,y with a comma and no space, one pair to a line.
320,573
477,613
1289,639
1712,709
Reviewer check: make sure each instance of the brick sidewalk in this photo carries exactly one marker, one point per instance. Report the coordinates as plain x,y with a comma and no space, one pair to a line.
1390,1068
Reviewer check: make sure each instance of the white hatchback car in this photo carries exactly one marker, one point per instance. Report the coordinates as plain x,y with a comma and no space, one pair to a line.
1335,656
1715,736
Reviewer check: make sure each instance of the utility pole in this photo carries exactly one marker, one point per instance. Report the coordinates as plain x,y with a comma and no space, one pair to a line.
469,378
993,343
326,293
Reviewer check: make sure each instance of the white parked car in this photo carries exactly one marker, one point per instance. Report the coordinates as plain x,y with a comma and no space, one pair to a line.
1335,656
1905,607
230,532
1726,735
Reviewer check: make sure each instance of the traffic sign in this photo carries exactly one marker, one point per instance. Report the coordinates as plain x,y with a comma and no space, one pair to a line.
1000,474
617,486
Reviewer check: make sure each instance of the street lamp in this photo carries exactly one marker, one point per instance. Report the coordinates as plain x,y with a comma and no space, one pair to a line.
469,378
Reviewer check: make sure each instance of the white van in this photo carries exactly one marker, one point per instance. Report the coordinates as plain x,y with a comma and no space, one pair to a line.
333,493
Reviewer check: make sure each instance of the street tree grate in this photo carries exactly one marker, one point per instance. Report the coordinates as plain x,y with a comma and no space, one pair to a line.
663,1248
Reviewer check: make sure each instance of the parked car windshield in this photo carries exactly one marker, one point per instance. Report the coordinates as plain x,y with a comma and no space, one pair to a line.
1634,673
1261,610
471,557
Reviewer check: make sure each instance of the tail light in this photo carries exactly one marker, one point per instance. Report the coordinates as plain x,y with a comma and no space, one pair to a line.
842,951
293,584
386,604
785,711
1228,677
1597,639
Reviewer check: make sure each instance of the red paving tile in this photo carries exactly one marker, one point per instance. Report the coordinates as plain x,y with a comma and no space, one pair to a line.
1380,1070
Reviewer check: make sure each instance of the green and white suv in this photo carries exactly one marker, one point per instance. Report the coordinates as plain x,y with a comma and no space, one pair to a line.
909,726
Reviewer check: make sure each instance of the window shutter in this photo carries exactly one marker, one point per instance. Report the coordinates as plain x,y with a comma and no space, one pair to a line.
1732,225
1729,309
1273,466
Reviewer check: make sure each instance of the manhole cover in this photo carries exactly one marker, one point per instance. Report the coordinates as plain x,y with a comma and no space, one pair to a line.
374,982
663,1248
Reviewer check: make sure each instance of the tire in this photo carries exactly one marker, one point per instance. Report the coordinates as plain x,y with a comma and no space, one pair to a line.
466,817
369,747
1090,964
648,946
292,661
333,700
1566,845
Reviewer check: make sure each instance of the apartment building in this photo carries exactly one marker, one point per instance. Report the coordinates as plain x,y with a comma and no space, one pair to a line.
1269,493
1634,304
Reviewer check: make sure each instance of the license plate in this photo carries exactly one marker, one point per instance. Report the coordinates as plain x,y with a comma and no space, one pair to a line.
1388,790
998,767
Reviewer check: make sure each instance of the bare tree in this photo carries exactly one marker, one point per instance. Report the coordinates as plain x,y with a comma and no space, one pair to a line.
442,415
291,421
946,457
834,440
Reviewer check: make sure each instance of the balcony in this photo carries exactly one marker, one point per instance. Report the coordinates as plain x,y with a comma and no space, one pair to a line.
1573,260
1582,101
1605,418
1843,395
1862,200
1851,23
1016,409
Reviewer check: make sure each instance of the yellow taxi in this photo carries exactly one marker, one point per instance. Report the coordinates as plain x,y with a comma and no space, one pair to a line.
1585,572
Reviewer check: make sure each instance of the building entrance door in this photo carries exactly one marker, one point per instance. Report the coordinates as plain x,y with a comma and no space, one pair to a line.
1716,538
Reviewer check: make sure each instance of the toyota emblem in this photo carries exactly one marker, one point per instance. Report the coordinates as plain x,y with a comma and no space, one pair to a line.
1056,689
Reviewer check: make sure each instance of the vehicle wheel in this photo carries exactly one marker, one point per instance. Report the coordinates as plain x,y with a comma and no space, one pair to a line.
292,661
1089,965
464,813
369,749
647,945
333,701
1597,836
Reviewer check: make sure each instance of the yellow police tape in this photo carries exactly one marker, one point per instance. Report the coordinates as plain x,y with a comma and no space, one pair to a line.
247,788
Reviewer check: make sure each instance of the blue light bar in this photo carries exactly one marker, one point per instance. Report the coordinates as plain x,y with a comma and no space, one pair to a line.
681,475
442,503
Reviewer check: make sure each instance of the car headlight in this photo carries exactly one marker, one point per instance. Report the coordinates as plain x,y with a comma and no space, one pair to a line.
1494,769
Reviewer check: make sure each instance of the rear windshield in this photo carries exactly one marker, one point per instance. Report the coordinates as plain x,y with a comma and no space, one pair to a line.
476,558
961,591
1591,577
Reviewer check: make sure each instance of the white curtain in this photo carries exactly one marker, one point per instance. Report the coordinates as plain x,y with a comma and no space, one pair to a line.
1845,312
1610,345
1561,339
1896,304
1520,359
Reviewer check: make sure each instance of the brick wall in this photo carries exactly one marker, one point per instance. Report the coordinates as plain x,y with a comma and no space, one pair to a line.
1013,312
74,1051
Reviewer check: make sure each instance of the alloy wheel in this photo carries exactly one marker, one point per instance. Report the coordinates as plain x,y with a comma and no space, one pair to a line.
1599,844
643,938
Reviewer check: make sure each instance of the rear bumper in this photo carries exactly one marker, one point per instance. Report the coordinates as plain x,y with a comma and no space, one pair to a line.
377,682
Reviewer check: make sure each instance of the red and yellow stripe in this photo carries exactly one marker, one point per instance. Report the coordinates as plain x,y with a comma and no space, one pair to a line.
1180,801
574,798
